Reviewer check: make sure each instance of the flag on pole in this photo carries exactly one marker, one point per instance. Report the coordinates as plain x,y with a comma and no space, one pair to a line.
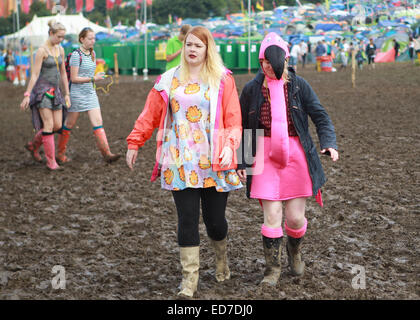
2,8
79,5
259,6
242,7
109,4
26,5
50,4
274,4
10,7
89,5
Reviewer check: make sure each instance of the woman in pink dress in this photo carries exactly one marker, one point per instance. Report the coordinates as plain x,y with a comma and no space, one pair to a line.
287,168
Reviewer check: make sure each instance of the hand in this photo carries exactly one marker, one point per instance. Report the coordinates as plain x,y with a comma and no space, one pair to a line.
242,175
131,157
99,76
25,104
226,156
333,153
68,103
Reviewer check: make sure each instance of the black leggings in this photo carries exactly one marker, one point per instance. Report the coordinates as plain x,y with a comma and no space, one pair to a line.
213,205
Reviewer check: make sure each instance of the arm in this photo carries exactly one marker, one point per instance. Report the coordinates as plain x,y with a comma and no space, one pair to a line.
170,54
39,58
148,120
63,73
64,81
232,123
319,116
74,71
232,118
243,100
36,69
173,56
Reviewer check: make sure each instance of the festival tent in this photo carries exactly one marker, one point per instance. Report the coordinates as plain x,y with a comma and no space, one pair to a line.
388,56
36,32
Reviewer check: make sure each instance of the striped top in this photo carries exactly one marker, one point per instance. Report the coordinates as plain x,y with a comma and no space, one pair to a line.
83,96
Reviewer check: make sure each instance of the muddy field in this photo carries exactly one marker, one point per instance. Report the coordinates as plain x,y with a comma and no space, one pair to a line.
114,231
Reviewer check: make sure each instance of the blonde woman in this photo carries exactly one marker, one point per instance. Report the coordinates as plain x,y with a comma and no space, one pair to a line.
44,96
196,108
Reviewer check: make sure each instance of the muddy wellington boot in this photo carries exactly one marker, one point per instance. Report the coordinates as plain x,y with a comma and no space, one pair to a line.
34,145
102,143
63,139
190,262
49,149
222,267
272,253
294,246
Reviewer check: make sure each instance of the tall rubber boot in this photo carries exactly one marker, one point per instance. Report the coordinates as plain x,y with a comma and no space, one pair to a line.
222,267
63,139
102,143
190,262
294,246
272,253
49,149
34,145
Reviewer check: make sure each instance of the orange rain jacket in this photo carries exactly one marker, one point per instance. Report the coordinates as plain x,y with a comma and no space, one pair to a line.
225,120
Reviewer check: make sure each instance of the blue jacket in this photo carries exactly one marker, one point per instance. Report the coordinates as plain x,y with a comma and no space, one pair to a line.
319,50
303,102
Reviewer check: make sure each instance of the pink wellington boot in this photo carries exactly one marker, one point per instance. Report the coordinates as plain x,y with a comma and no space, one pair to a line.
49,149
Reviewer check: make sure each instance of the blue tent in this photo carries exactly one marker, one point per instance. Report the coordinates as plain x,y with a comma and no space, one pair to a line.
328,27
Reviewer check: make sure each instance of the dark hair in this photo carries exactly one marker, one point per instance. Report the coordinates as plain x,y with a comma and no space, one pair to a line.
276,56
83,35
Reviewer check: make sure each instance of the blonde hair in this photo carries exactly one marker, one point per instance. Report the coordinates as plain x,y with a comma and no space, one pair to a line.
213,69
55,26
285,75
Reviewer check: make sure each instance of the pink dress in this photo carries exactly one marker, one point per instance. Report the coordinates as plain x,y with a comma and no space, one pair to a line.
269,182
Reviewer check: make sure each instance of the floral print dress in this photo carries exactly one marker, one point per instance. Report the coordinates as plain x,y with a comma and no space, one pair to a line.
186,149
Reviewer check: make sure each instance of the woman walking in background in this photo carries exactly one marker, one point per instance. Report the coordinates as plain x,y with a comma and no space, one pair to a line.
44,96
196,108
279,102
84,98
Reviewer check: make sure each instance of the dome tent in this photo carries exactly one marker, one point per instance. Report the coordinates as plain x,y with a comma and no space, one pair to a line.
36,32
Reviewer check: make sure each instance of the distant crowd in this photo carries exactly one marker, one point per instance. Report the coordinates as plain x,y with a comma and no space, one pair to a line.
342,49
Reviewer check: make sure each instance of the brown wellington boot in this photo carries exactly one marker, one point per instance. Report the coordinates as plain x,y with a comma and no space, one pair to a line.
294,246
190,262
272,252
222,267
34,146
63,139
102,143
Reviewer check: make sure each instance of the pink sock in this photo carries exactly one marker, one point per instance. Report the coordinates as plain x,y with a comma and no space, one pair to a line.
271,232
299,233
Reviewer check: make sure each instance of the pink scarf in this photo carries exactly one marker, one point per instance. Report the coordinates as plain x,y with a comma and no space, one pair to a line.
279,153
